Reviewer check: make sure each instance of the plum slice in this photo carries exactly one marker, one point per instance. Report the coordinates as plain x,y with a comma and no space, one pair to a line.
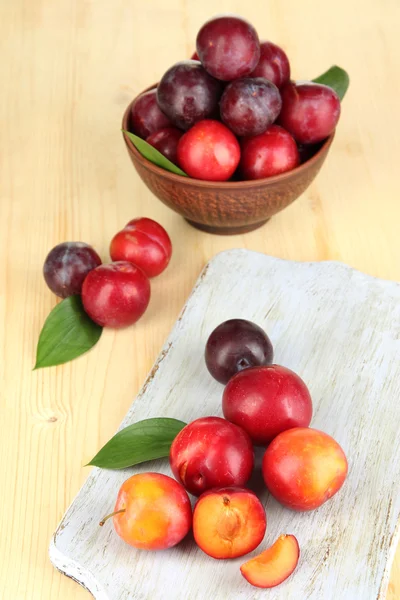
274,565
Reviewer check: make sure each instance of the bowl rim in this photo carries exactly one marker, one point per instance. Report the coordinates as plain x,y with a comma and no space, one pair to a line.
221,185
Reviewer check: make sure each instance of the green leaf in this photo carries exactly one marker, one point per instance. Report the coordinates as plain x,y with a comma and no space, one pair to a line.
337,79
67,333
153,155
137,443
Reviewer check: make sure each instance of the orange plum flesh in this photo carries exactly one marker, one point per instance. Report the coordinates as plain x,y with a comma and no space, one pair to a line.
274,565
228,522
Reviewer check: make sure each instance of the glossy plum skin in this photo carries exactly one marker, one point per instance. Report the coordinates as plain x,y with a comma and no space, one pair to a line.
250,105
303,468
209,151
146,117
268,154
166,141
145,243
116,294
67,265
267,400
195,56
310,111
187,94
228,522
158,514
211,452
236,345
273,64
228,47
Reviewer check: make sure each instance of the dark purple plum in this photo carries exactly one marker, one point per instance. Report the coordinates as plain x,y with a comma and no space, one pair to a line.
166,141
67,265
273,64
187,94
250,105
307,151
228,47
310,111
146,116
236,345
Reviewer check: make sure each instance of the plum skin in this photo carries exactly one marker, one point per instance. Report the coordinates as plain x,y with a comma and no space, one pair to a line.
211,452
152,496
303,468
116,294
166,141
270,153
273,64
310,111
67,265
228,47
235,345
209,151
267,400
145,243
187,94
145,115
250,105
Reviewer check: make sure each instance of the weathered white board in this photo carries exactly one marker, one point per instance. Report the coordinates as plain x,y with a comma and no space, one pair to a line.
340,330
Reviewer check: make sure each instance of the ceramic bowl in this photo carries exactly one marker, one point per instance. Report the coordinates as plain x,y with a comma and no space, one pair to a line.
228,207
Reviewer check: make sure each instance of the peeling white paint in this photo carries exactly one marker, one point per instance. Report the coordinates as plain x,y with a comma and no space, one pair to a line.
340,330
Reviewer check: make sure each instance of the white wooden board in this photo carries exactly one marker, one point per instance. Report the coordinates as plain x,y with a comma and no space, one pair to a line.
340,330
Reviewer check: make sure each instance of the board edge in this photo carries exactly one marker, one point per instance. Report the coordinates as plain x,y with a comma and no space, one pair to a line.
83,576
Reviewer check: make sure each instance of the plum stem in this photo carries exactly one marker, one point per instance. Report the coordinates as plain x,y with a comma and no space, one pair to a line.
117,512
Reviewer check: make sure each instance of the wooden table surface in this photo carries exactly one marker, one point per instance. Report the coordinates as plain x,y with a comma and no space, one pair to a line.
68,70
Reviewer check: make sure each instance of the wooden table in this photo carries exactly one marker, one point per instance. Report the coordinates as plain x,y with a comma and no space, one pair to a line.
68,70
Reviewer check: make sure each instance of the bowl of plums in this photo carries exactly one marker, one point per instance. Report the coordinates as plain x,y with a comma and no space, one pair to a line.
227,139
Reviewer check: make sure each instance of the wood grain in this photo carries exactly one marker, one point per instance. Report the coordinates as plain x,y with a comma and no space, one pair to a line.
68,70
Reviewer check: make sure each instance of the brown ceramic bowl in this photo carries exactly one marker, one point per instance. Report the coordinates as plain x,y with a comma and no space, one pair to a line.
227,207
